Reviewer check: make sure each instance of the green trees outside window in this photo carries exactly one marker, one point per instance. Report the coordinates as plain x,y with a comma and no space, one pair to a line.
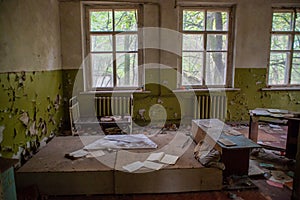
284,64
113,46
205,46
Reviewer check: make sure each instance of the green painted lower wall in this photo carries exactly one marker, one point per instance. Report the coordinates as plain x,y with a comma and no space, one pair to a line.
250,96
31,108
250,81
35,104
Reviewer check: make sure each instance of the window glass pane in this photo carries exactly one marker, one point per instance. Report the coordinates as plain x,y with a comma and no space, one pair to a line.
101,43
127,69
295,76
102,70
126,20
277,69
217,21
297,27
192,42
192,68
282,21
215,68
101,20
126,42
216,42
280,42
297,42
193,20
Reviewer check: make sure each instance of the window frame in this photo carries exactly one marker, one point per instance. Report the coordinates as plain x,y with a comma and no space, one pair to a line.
290,51
229,76
87,69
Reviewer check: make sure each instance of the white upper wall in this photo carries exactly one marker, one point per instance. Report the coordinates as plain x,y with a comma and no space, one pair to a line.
29,36
252,29
30,32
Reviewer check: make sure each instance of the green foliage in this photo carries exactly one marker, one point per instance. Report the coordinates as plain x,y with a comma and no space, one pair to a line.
281,49
111,43
195,50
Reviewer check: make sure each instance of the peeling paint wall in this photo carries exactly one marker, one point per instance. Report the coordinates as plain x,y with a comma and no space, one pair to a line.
251,81
30,77
30,109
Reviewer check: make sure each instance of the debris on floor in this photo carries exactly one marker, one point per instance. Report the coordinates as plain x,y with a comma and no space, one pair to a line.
278,170
208,156
239,182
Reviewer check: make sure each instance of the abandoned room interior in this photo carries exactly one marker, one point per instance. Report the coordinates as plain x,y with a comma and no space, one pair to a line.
150,99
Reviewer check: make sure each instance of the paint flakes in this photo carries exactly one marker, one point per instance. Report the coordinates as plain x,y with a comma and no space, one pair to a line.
32,129
15,133
24,118
1,133
18,154
57,102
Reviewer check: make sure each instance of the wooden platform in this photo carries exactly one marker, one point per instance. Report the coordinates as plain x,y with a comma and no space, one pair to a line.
54,174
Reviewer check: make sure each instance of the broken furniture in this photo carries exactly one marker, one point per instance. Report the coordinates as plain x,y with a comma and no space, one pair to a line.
233,146
276,116
56,175
111,114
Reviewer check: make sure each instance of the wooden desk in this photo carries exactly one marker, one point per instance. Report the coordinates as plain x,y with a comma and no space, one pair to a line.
235,158
291,119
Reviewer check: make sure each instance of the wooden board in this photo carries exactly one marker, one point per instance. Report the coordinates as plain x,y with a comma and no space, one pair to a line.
56,175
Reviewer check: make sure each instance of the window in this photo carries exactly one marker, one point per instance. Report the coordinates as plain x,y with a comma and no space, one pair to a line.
284,63
112,43
206,47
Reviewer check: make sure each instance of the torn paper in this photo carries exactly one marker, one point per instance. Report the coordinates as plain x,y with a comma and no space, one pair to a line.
155,156
77,154
153,165
169,159
94,154
133,166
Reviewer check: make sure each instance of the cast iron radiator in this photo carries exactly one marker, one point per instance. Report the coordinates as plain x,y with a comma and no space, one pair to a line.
108,106
210,106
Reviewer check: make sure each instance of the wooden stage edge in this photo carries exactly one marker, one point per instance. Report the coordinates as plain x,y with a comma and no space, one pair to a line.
54,174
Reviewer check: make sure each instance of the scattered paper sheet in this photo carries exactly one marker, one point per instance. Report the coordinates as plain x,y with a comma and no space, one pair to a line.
153,165
133,166
169,159
280,177
226,142
136,141
275,184
96,153
155,156
232,132
78,154
277,111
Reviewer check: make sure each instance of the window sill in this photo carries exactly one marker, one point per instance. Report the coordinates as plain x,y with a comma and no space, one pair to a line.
115,92
281,89
206,90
